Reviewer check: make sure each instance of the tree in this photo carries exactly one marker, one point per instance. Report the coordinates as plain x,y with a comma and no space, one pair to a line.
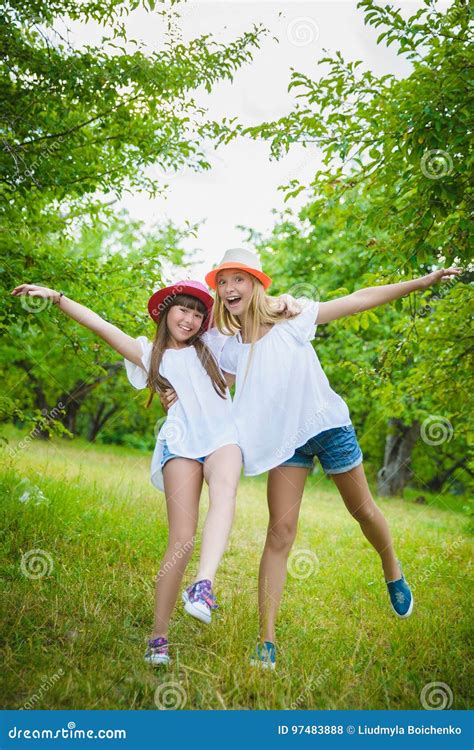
81,125
52,365
384,362
395,178
76,121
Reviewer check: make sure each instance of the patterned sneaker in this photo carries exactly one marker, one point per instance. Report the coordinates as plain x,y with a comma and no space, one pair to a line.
401,597
264,656
157,652
199,600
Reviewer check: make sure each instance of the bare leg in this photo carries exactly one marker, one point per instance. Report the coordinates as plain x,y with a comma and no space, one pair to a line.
222,473
359,502
284,492
183,483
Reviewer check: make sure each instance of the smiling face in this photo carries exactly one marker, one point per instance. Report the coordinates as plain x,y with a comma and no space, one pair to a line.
183,323
235,289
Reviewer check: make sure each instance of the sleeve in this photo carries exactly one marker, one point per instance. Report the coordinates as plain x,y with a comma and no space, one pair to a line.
229,356
303,326
137,375
216,342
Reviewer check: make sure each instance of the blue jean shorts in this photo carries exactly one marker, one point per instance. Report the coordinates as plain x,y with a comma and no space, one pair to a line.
337,450
166,456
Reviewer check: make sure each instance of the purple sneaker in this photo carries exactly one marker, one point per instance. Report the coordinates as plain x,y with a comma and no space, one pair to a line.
157,652
199,601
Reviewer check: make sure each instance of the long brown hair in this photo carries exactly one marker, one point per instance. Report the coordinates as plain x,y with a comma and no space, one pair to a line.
157,382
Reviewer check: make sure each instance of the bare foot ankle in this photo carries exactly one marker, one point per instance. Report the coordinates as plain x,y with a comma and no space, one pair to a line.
392,572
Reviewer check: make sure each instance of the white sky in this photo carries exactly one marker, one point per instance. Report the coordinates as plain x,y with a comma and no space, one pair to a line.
241,187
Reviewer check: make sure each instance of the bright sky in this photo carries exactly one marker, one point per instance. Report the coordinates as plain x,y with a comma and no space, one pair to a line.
241,187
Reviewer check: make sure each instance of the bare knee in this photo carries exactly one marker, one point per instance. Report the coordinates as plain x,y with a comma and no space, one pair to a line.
366,512
181,544
280,536
222,490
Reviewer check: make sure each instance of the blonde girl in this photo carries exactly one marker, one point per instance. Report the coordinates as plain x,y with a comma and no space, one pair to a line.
286,413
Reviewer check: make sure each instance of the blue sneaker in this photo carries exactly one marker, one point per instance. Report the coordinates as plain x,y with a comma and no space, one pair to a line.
264,656
401,597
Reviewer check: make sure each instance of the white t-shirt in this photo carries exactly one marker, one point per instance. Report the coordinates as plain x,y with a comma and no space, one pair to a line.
200,421
286,398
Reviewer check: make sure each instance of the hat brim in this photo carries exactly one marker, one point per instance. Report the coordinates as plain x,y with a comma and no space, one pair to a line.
157,301
211,276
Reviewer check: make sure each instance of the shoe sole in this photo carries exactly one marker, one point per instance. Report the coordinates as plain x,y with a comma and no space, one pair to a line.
157,661
192,610
409,611
262,664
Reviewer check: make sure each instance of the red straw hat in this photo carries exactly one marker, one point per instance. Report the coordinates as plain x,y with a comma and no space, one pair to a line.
162,297
244,260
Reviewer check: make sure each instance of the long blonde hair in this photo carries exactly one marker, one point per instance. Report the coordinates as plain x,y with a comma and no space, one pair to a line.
262,311
157,382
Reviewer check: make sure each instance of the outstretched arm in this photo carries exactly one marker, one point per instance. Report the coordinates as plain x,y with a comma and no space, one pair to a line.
373,296
124,344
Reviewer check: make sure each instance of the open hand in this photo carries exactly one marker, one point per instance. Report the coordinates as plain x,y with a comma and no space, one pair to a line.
35,290
443,274
168,398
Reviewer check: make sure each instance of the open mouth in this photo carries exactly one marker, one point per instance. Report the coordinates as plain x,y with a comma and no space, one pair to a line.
185,329
233,302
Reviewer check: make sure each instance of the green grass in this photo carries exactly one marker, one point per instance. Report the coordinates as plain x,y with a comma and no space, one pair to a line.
76,637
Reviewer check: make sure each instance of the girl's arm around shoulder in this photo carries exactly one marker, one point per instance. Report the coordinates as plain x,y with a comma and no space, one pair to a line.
124,344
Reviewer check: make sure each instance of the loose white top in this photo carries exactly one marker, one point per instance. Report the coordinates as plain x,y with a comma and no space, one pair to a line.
286,397
200,421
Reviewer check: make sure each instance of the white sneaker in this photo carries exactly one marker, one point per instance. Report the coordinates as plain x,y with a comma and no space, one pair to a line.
157,652
199,601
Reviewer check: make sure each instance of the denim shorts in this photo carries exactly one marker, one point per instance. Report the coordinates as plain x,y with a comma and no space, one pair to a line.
337,450
166,456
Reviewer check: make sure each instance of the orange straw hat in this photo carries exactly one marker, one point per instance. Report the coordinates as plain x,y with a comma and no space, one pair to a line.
244,260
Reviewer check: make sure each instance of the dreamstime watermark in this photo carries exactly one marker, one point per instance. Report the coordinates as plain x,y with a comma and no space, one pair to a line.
437,563
30,493
295,439
29,171
312,684
36,563
37,430
436,696
181,551
436,430
46,685
170,428
69,732
35,304
436,164
302,563
302,31
440,294
173,171
304,289
170,696
156,311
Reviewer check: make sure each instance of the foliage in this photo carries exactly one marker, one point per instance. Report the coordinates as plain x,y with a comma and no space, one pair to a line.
390,201
82,124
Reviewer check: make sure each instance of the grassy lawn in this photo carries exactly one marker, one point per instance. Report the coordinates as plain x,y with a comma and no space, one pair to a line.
75,637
